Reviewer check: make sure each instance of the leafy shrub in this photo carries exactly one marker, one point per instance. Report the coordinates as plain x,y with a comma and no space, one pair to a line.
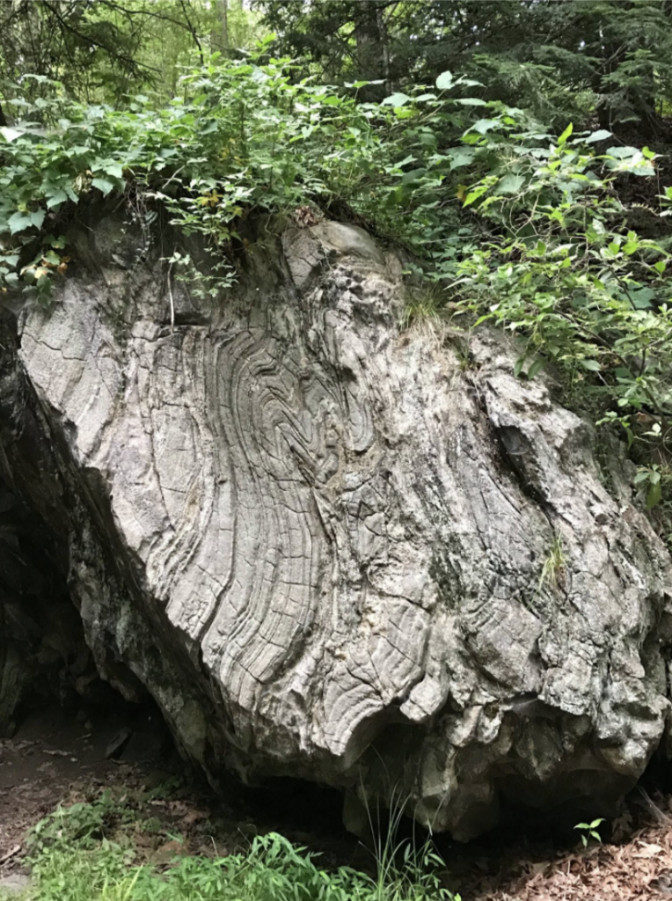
511,224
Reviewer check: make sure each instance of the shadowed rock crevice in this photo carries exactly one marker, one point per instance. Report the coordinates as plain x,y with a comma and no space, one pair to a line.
328,549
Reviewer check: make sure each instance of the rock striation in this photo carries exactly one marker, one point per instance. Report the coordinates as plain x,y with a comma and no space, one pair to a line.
333,548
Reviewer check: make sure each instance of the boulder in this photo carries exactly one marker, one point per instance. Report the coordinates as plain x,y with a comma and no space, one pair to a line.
333,548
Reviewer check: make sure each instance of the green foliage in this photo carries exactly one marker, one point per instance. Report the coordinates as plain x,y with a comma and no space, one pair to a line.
566,60
86,853
417,876
553,569
562,267
82,823
242,137
103,50
544,235
589,830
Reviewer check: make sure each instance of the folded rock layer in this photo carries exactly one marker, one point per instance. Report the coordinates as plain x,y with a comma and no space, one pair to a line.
336,549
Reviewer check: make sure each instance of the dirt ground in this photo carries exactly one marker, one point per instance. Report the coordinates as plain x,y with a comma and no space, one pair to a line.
61,759
56,758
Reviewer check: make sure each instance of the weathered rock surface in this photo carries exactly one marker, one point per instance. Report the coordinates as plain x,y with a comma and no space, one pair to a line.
335,550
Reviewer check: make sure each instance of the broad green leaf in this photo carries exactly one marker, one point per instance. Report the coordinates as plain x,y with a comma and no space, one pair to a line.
396,99
56,199
483,126
622,153
445,81
10,134
510,184
114,169
644,170
590,365
103,185
18,222
460,156
600,135
642,298
471,101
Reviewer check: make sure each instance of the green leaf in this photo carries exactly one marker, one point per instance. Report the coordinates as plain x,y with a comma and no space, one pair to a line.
510,184
642,298
114,169
473,195
396,99
591,365
18,222
461,156
483,126
565,135
600,135
103,185
471,101
10,134
622,153
445,81
535,368
406,160
653,495
56,199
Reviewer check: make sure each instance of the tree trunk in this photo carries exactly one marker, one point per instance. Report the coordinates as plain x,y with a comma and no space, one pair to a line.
219,38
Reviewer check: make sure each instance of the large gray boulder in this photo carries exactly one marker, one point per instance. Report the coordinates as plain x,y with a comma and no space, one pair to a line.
335,549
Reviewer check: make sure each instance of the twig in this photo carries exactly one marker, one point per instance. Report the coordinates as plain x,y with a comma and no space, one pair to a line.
11,853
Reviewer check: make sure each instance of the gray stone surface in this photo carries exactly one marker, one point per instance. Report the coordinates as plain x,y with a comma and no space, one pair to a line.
337,550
